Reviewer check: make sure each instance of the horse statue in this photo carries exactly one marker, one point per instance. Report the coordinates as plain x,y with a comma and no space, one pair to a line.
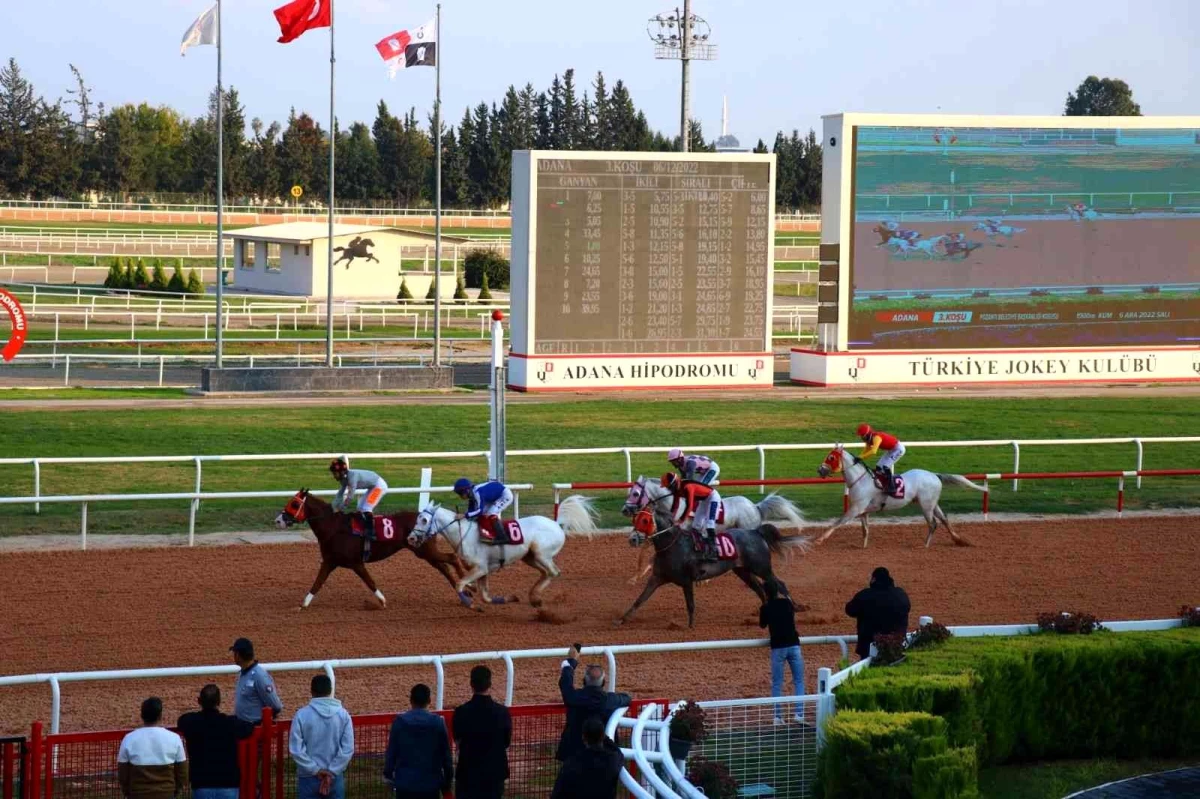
867,497
342,549
738,512
678,561
357,248
534,540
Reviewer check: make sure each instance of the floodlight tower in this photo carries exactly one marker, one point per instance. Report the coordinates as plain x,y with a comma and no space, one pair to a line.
682,35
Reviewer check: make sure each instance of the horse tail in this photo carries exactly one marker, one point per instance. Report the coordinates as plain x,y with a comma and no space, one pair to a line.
339,249
776,508
959,480
779,543
577,516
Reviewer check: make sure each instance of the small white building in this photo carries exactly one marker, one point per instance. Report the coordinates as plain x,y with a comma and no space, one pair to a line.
291,259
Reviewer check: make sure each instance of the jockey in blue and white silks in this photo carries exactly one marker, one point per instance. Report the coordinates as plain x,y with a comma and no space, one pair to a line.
485,502
705,471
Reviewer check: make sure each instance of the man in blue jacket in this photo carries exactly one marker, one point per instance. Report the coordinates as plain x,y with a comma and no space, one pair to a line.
418,763
321,744
485,503
583,703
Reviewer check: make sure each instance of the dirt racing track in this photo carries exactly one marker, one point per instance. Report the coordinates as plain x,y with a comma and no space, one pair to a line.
175,607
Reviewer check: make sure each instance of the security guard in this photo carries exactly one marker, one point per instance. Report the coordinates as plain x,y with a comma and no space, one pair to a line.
255,688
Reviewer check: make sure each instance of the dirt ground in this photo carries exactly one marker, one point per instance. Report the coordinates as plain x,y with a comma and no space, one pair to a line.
172,607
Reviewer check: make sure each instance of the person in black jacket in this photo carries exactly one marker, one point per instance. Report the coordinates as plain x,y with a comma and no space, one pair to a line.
212,746
483,731
583,703
779,615
418,763
881,609
593,771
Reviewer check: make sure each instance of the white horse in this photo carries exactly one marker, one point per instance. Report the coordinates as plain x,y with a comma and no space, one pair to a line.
993,228
920,486
929,247
543,539
740,513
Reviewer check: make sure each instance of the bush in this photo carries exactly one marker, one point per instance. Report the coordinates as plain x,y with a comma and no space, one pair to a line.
689,723
482,262
176,283
460,291
484,293
404,294
127,280
1069,623
432,293
194,284
712,778
141,279
158,281
115,279
930,634
888,649
1190,615
893,754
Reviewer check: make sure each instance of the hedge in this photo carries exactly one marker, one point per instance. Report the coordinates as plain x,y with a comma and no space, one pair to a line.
478,263
1050,696
878,754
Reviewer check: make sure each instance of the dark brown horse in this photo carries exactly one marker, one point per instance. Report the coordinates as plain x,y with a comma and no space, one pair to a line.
342,549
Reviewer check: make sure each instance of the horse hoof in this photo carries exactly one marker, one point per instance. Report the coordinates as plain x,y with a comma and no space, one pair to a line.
535,603
499,600
465,598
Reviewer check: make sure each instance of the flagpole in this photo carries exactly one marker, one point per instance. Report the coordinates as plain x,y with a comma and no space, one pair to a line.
329,252
437,217
220,193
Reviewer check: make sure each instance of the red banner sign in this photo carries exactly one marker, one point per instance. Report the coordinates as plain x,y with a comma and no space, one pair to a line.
20,327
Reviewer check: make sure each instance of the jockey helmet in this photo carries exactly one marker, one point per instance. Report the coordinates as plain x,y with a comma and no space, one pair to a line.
669,481
338,466
864,430
462,485
676,454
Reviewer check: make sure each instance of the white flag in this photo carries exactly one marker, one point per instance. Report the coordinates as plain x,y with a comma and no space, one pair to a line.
202,31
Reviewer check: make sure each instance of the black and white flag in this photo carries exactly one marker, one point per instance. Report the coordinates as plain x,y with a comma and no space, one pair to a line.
410,48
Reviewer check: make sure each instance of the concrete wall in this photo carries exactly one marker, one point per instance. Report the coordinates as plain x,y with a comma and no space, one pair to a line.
349,378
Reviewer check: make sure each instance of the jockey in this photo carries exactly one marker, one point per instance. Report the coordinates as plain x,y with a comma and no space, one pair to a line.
352,480
893,451
485,503
705,471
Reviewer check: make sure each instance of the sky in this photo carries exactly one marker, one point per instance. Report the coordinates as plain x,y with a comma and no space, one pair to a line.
781,63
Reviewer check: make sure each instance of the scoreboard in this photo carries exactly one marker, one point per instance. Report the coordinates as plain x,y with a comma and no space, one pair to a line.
645,270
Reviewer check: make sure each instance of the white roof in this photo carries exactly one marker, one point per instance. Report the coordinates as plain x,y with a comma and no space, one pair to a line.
300,231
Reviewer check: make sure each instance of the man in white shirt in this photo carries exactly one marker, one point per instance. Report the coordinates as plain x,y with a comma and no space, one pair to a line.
151,763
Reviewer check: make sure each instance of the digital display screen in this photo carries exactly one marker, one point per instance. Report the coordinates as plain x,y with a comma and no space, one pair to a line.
644,256
989,238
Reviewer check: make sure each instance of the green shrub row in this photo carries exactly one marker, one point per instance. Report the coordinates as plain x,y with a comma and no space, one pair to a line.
130,275
878,754
1050,696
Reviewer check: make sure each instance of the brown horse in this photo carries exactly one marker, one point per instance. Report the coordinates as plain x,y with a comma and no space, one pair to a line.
341,548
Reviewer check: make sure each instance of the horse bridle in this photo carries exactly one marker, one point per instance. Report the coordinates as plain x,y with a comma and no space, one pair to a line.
442,530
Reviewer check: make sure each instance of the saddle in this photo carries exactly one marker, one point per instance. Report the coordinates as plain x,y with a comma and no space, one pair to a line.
497,531
897,491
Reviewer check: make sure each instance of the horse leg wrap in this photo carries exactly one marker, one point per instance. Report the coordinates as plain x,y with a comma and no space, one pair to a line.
498,600
465,598
308,598
380,597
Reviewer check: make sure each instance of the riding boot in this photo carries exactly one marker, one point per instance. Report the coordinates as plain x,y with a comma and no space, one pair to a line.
368,523
889,482
710,545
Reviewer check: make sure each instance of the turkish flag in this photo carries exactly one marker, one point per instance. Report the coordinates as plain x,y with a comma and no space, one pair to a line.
299,16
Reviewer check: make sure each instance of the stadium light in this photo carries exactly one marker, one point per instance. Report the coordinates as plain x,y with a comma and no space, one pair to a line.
682,35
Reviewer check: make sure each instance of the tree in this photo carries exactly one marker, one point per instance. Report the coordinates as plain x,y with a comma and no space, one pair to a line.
460,290
358,171
39,154
603,136
141,279
386,130
158,279
405,294
176,284
414,158
194,284
761,147
263,167
484,292
127,277
303,155
115,279
1102,97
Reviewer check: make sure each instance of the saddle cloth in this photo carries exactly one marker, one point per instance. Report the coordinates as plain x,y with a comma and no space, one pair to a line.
386,527
493,530
898,491
726,548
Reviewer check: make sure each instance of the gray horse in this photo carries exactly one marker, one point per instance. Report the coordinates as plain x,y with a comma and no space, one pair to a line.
676,561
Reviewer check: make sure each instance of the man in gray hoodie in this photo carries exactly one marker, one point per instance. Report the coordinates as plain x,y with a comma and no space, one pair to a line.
321,744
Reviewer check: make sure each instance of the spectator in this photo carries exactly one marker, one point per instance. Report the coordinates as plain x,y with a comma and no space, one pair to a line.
212,738
321,744
779,616
593,771
151,763
881,609
483,732
583,703
255,688
418,763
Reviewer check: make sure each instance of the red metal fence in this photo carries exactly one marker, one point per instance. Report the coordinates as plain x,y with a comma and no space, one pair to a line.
84,765
12,768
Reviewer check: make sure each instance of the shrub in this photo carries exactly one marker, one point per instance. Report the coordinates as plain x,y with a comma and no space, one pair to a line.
127,281
1069,623
176,283
930,634
158,281
432,293
689,723
712,778
1190,616
404,294
460,291
484,293
194,284
141,279
482,262
115,279
893,754
888,648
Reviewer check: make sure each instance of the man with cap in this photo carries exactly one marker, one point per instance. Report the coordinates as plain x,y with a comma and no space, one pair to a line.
881,609
255,688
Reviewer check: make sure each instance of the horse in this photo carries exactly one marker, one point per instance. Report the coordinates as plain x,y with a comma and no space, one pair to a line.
342,549
542,539
677,562
993,228
920,486
357,248
739,511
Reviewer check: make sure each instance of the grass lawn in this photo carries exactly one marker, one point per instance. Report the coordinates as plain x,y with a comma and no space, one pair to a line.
434,428
1058,779
81,393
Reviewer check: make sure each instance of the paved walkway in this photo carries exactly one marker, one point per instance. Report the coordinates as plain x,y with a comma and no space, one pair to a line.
1181,782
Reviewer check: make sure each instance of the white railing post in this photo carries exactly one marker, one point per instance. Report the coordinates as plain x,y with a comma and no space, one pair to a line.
328,669
516,504
612,668
509,679
1138,442
762,468
628,465
83,527
195,505
160,370
441,683
67,371
825,706
1016,463
426,483
37,484
55,704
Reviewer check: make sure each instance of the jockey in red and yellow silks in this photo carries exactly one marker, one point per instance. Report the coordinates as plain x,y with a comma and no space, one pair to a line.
893,450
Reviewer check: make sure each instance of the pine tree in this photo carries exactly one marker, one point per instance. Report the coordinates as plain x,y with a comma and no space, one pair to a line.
460,290
194,284
115,278
141,279
176,285
432,293
159,280
404,295
572,128
603,136
484,293
127,281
